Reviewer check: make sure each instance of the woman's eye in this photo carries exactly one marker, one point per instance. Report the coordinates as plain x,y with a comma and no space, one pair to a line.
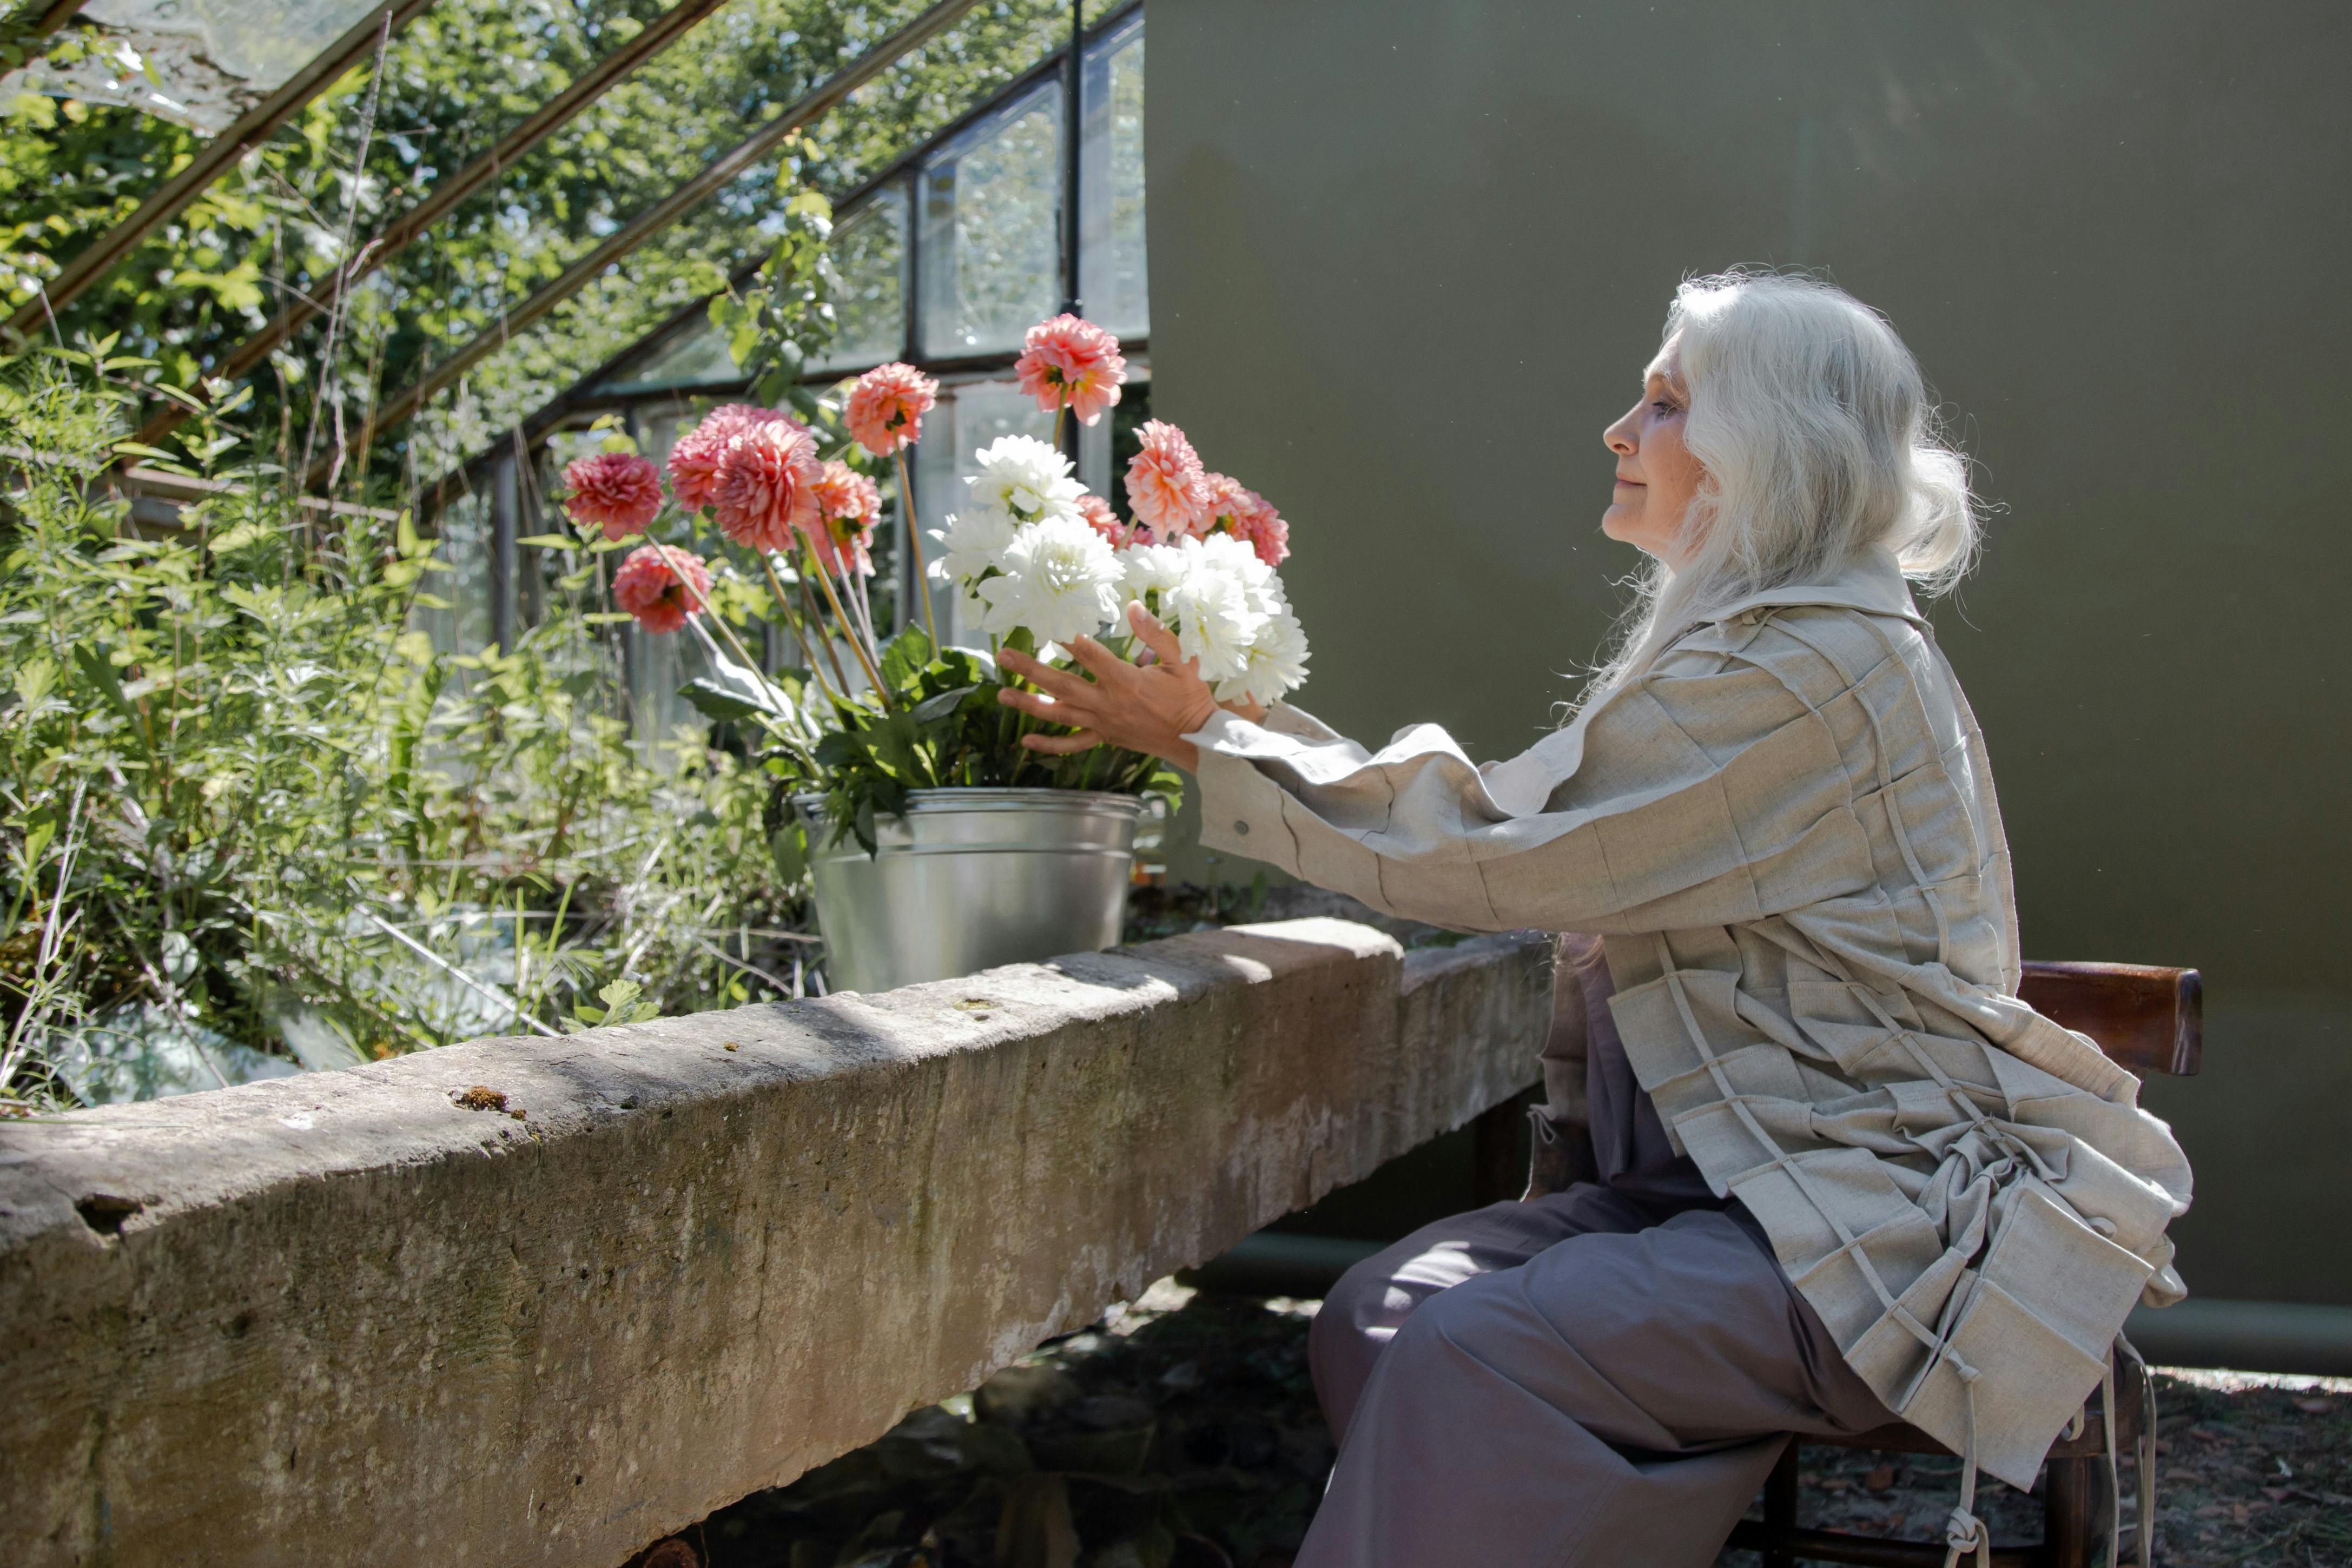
1666,410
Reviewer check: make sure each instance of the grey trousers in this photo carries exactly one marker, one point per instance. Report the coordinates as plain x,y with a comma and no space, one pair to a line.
1562,1383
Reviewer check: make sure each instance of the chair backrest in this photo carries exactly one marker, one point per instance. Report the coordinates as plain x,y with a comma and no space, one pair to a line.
2147,1019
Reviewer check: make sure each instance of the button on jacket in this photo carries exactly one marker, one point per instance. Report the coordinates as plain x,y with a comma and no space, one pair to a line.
1785,829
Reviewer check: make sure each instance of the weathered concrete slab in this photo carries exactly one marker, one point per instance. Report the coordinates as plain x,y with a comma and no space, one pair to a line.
343,1318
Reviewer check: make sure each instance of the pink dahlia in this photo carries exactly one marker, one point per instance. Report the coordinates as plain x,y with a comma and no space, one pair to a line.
887,405
648,587
1102,519
843,492
694,461
1242,511
1071,362
766,485
849,506
1165,486
616,491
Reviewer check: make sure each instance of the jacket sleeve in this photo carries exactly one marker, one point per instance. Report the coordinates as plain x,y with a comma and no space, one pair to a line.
1706,793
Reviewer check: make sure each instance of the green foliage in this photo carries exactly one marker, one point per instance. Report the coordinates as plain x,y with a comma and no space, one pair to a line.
454,81
240,793
941,726
786,318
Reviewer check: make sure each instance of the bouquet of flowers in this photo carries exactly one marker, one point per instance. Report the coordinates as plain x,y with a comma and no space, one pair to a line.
1032,557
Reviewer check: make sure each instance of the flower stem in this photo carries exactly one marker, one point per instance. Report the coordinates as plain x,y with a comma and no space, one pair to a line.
792,619
815,615
915,545
857,646
716,618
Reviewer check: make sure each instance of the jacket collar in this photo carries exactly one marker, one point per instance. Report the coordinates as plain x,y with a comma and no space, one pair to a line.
1872,581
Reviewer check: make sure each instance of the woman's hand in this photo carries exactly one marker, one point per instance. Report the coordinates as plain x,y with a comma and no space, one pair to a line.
1143,708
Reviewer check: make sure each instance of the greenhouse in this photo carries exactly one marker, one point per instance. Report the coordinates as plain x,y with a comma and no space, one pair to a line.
673,901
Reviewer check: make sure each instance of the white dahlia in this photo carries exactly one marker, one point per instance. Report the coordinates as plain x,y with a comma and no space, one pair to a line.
1059,577
1023,478
1274,664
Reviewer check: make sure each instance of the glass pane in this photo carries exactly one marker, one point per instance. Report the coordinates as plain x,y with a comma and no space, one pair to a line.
211,59
695,359
464,626
968,418
869,251
1113,278
657,666
989,238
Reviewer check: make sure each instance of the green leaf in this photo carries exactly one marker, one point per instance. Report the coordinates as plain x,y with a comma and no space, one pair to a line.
933,709
904,657
36,679
548,541
842,750
787,846
714,701
248,532
98,668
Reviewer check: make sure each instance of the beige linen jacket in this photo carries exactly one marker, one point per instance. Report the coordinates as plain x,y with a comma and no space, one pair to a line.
1786,833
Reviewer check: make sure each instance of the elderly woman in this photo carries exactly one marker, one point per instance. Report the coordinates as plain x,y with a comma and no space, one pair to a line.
1844,1174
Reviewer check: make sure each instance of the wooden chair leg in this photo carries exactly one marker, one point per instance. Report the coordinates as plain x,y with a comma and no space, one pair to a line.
1780,1506
2066,1503
1499,1158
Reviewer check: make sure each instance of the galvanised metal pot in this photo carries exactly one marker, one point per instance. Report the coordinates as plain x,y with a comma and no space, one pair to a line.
968,878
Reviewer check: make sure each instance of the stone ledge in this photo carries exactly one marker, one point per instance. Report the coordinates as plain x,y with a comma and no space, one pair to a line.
342,1318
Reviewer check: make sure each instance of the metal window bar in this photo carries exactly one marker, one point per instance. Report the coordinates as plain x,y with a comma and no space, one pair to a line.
398,234
714,175
588,394
212,160
584,397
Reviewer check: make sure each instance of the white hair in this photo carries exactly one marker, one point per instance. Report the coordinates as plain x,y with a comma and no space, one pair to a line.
1814,427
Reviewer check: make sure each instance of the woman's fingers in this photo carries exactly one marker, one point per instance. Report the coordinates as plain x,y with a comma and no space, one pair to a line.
1155,637
1061,683
1039,706
1063,745
1106,664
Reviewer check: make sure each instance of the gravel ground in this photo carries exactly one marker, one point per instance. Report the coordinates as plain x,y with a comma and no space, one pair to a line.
1182,1433
2252,1471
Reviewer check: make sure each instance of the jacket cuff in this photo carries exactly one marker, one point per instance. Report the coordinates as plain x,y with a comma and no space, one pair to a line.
1241,808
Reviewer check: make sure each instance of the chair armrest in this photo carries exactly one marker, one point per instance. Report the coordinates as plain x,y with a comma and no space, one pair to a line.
2148,1019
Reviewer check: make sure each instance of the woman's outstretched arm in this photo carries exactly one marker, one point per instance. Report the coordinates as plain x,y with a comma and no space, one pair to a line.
1704,793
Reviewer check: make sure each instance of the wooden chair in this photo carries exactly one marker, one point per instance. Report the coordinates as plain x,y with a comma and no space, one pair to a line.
2150,1020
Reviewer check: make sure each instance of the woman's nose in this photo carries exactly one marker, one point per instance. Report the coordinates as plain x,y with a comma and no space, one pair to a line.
1619,438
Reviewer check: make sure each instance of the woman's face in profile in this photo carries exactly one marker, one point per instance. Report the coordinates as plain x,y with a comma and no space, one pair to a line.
1656,475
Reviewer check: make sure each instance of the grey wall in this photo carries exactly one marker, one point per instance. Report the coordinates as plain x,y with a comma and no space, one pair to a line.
1407,259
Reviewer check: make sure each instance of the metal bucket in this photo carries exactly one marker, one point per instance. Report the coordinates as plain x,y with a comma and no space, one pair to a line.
968,879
